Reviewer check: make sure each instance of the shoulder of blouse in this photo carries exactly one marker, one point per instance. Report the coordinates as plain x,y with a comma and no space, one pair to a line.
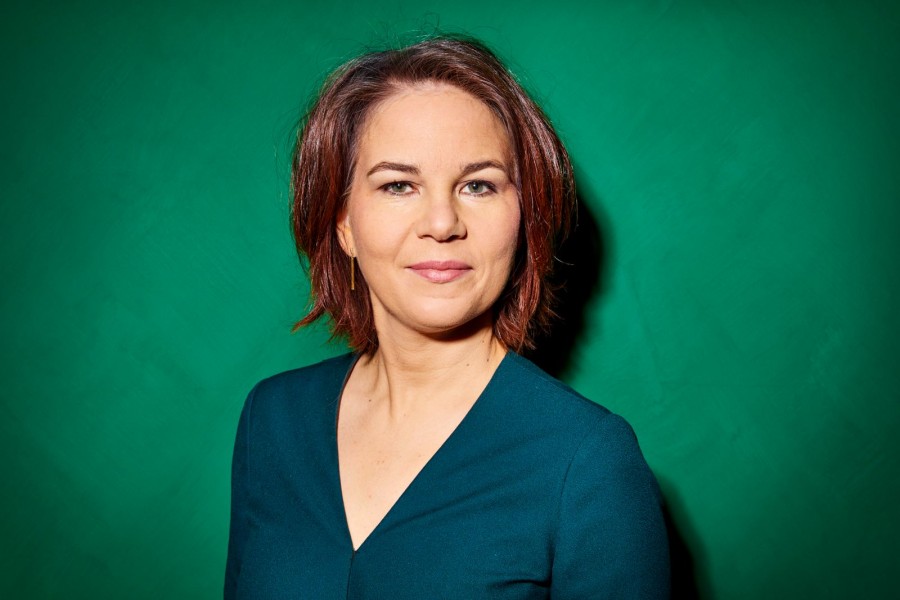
306,382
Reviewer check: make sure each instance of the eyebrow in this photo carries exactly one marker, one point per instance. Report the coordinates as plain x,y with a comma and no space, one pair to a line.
392,166
414,170
484,164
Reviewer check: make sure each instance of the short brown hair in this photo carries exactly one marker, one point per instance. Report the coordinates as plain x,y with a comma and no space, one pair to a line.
324,160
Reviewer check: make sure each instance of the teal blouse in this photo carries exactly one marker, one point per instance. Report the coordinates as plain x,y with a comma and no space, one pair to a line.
538,493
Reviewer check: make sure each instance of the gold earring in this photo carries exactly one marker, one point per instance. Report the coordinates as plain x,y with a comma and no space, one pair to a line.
352,273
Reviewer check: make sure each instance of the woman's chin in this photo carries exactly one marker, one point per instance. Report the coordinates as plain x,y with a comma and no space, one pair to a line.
445,325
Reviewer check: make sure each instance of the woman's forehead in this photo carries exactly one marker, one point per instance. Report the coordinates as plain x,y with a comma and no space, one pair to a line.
432,120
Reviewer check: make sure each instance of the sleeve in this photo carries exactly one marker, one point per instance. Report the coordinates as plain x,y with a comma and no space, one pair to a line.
240,500
611,538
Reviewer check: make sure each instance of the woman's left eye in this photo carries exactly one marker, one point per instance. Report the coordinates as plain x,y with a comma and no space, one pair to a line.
397,188
478,188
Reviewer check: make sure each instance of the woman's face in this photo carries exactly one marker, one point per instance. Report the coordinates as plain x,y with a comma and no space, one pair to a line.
433,214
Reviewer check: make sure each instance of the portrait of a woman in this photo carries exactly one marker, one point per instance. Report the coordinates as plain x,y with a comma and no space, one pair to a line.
430,194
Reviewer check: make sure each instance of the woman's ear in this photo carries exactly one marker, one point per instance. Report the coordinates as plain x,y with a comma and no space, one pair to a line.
345,233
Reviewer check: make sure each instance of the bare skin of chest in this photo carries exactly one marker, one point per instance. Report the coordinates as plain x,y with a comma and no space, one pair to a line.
381,454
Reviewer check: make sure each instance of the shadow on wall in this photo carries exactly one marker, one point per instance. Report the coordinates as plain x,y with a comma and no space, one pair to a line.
687,582
581,276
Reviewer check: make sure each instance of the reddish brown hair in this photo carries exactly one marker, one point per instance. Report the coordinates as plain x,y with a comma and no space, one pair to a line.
324,160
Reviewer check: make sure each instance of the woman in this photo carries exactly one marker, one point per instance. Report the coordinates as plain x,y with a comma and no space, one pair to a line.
434,462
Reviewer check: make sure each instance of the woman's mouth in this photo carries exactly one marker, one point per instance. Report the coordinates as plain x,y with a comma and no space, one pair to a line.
440,271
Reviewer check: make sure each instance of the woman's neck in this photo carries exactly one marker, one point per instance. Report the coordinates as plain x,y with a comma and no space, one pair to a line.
415,372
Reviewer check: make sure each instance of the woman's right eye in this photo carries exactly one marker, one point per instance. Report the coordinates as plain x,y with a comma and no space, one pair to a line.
397,188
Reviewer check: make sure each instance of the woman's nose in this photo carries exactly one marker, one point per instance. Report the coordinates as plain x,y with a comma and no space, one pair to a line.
441,218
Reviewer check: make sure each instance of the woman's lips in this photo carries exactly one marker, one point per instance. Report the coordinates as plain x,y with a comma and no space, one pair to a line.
440,271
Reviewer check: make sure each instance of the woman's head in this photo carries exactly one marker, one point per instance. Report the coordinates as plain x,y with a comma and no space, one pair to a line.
327,155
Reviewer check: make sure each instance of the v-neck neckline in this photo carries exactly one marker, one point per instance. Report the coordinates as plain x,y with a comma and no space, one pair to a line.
470,415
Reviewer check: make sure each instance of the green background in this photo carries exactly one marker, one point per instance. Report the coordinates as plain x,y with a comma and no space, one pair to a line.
740,160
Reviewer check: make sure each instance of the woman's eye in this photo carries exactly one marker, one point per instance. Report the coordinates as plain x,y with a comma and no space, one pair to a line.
478,188
398,188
